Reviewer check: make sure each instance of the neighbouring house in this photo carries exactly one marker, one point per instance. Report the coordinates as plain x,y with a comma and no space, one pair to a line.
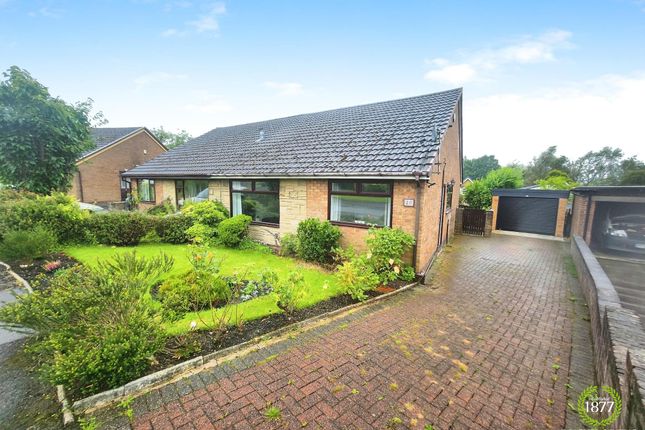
116,150
393,163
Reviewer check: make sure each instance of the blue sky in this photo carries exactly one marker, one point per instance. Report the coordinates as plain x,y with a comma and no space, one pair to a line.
570,73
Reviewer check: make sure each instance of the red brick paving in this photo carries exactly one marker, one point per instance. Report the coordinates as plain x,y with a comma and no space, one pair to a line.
478,349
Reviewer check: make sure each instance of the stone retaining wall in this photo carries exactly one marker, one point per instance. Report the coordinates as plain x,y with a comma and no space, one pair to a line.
618,338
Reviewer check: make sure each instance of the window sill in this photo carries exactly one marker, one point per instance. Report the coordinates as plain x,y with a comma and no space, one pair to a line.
265,224
355,225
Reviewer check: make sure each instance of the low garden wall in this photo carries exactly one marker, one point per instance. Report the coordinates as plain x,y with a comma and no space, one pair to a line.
618,338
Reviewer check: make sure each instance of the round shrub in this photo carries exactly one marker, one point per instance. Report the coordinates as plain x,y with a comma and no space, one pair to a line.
59,213
386,247
190,292
172,228
317,240
289,245
28,245
232,231
120,228
208,212
163,208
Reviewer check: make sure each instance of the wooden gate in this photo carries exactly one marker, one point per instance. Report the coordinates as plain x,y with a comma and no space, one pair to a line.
473,221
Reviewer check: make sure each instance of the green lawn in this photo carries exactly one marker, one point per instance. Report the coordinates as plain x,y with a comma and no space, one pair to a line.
320,284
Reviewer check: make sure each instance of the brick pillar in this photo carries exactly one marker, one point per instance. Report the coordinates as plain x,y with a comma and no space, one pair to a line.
494,215
562,211
459,220
488,227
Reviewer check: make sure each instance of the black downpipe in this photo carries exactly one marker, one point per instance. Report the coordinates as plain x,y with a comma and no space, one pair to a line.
441,208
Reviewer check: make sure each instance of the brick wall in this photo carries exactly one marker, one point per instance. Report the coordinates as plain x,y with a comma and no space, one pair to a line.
562,212
579,215
430,204
617,336
494,208
100,174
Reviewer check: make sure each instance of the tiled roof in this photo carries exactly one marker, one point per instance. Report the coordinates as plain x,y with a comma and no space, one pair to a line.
387,138
104,136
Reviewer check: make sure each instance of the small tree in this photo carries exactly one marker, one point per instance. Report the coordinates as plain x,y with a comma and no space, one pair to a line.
477,195
41,136
506,177
170,139
557,180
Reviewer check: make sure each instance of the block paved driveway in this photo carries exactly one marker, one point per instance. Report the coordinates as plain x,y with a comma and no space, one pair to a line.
486,344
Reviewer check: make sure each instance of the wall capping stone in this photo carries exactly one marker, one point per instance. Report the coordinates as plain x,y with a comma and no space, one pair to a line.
617,334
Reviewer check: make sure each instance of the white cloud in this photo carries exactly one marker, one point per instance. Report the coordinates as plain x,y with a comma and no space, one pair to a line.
577,118
46,12
172,32
285,88
478,64
208,23
208,104
157,78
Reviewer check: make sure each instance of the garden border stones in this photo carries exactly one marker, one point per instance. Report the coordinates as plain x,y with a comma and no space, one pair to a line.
179,371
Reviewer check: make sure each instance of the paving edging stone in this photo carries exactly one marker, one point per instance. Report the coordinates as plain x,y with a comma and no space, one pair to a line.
170,374
617,335
17,277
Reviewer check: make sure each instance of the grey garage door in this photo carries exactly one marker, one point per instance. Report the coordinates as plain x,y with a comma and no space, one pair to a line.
527,214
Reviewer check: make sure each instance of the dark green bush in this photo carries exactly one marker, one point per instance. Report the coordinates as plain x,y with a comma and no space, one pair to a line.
59,213
28,245
208,212
316,240
172,228
232,231
386,248
120,228
96,327
187,293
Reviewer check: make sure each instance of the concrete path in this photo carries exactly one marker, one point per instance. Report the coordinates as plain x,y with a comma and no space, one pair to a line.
488,344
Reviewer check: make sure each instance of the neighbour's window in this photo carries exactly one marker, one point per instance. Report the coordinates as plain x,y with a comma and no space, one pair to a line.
146,188
191,190
258,199
449,190
361,202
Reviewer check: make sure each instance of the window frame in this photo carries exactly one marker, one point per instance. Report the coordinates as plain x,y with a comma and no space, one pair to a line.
359,192
450,192
183,188
253,191
151,182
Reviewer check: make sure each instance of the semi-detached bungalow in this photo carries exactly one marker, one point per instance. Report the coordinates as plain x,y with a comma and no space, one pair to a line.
394,163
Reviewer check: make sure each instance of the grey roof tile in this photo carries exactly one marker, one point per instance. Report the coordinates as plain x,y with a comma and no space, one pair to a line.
104,136
386,138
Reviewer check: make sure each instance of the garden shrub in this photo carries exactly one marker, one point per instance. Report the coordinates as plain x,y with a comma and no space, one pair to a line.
59,213
172,228
164,208
209,212
201,233
356,277
317,239
232,231
28,245
120,228
386,248
96,327
290,291
289,245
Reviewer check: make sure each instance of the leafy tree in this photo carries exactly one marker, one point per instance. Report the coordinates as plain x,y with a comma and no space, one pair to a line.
505,177
557,180
477,168
633,172
477,195
170,139
541,165
602,167
41,136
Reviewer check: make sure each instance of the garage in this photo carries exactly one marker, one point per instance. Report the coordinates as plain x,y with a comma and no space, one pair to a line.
530,211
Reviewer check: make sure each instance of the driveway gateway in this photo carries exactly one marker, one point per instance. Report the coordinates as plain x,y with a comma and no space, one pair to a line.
488,344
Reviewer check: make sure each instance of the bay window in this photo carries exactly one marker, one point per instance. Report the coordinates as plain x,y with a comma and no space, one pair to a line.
258,199
146,190
360,202
191,190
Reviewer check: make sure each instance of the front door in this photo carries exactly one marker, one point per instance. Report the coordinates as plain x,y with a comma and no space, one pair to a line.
126,188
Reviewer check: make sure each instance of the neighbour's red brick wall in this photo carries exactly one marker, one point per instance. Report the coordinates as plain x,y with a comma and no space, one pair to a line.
100,174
